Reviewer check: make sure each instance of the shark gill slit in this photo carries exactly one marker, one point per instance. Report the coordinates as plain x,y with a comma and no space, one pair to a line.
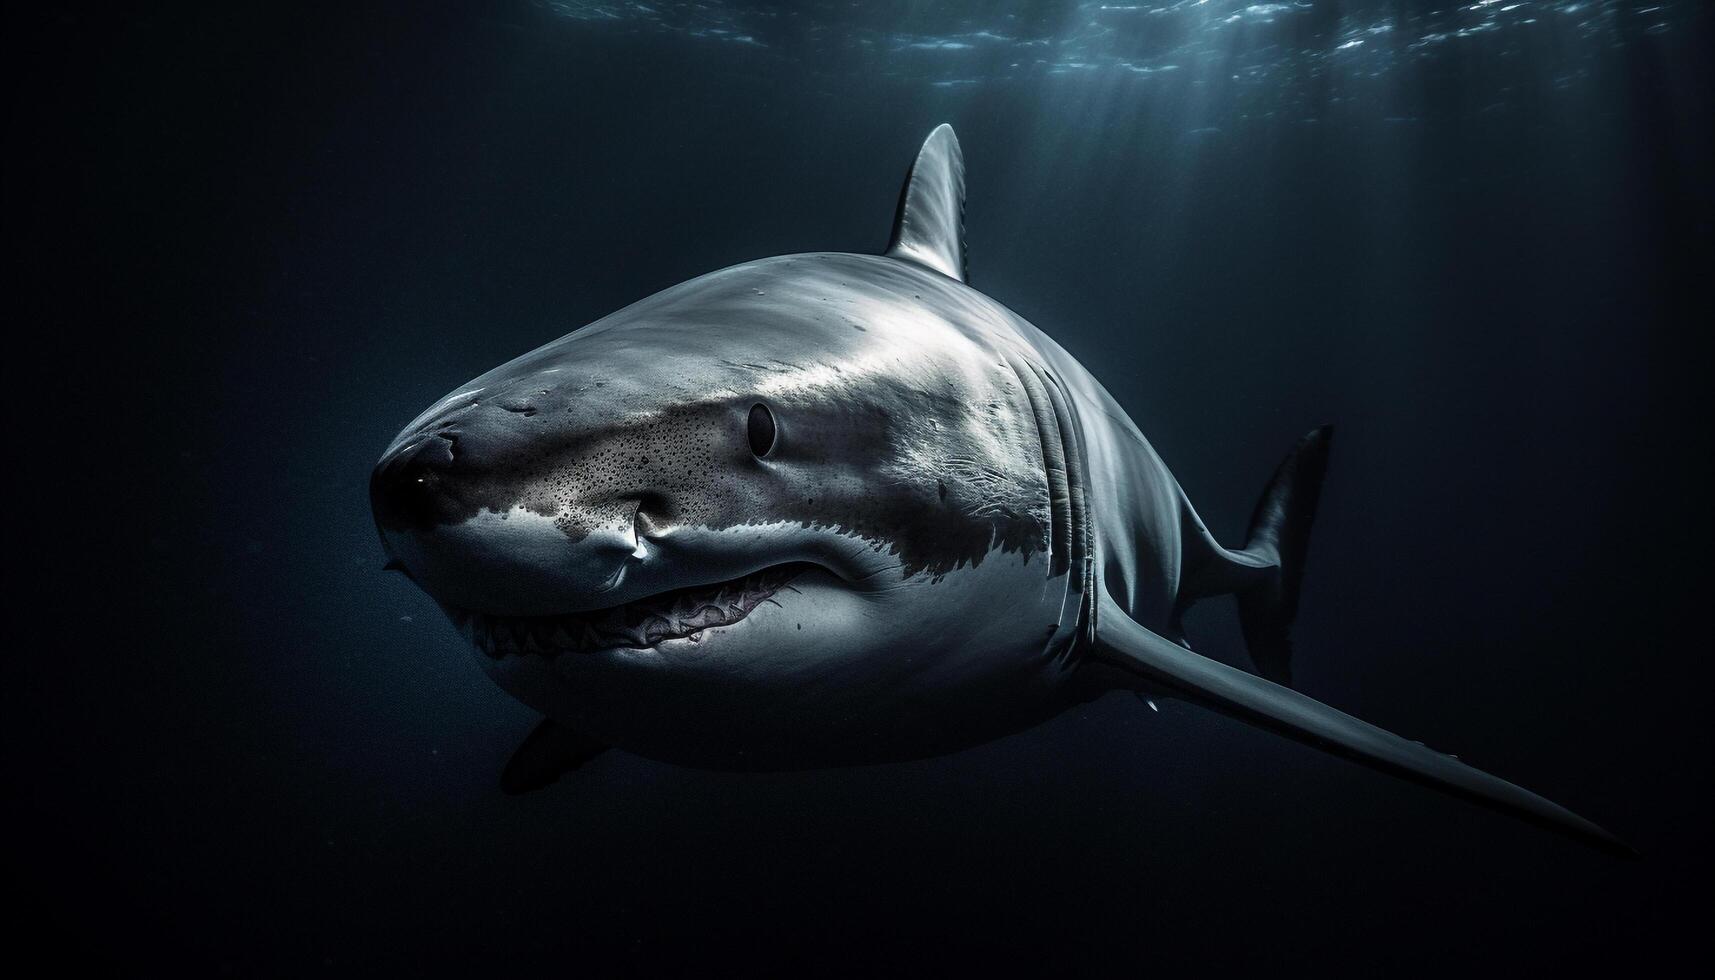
1053,466
1069,535
1081,557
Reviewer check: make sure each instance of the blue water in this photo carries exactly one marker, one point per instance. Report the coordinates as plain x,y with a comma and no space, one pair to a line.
255,242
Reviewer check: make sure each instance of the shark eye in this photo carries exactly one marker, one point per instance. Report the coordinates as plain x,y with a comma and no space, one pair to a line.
761,430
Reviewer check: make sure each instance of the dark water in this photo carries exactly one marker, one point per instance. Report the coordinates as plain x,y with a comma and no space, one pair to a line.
249,244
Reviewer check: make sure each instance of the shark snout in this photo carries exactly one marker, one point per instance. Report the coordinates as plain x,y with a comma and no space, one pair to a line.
414,484
476,538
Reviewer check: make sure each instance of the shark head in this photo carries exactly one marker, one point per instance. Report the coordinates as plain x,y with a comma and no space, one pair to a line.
720,524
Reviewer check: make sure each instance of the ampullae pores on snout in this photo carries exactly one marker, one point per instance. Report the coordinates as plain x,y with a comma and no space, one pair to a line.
833,509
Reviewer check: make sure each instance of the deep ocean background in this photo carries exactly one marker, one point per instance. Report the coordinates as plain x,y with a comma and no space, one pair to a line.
249,243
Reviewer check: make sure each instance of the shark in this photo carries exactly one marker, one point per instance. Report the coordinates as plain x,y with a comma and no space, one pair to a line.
838,509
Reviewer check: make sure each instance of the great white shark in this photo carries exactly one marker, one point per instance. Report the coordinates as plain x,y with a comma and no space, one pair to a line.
834,509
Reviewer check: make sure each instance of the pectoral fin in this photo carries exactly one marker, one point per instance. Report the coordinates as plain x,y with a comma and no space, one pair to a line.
1121,641
547,753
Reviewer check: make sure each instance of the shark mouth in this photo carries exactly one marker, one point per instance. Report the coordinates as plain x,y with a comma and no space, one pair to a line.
639,624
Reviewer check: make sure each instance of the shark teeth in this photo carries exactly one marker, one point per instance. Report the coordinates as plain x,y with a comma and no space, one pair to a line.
682,613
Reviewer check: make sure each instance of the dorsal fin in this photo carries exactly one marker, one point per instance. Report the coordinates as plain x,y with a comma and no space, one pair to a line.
929,228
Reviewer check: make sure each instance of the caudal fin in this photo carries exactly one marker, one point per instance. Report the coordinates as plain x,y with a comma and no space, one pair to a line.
1280,535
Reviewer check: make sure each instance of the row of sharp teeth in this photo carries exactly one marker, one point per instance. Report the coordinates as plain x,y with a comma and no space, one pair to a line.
639,624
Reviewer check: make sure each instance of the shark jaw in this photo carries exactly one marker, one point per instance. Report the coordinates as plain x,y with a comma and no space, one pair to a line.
682,613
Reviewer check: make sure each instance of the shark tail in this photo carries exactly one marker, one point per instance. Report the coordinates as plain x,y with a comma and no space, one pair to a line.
1279,540
1265,575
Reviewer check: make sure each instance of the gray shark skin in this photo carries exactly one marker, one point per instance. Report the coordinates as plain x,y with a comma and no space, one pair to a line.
836,509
